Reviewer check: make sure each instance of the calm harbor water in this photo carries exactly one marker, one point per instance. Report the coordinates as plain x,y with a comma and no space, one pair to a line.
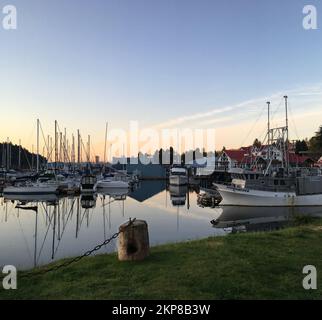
69,226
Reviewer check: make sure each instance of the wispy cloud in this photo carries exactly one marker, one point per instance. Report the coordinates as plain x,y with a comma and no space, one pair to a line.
247,110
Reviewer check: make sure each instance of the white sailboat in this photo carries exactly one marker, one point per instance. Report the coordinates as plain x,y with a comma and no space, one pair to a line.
32,189
38,188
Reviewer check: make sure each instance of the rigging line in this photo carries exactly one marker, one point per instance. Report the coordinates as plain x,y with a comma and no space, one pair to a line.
24,238
275,112
64,227
252,128
64,146
82,219
45,237
43,136
293,121
109,202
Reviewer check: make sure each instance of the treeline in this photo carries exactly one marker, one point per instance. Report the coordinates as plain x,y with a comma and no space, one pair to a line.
311,146
9,157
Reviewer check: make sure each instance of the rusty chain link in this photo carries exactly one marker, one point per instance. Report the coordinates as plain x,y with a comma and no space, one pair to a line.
86,254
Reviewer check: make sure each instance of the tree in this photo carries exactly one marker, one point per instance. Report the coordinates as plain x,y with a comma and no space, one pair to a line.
257,143
300,146
316,142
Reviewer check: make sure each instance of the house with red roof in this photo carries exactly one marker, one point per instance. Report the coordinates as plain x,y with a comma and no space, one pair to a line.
257,157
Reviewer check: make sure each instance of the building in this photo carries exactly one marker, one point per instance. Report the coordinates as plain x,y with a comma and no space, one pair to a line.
257,157
143,171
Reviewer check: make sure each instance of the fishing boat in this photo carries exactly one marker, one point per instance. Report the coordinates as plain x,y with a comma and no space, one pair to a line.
178,176
276,186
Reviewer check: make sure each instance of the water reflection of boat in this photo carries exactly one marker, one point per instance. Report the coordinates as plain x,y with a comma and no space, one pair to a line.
178,194
32,189
261,218
178,176
32,197
115,193
88,201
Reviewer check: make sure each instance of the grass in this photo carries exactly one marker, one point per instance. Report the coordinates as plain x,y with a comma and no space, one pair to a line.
241,266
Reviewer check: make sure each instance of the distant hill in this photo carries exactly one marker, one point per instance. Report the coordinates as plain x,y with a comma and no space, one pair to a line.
27,158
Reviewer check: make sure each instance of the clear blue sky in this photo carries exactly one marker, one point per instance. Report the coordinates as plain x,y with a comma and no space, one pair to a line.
149,60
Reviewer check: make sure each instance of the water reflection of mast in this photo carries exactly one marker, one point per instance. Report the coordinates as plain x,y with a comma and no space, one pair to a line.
109,213
104,217
177,218
58,223
36,232
77,217
54,230
188,199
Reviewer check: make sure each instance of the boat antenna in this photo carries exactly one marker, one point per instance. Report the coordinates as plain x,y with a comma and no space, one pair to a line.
268,122
286,146
37,146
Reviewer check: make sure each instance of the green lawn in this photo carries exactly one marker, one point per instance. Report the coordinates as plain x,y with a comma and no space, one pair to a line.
241,266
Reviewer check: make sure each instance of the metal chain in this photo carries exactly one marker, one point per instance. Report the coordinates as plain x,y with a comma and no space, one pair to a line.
86,254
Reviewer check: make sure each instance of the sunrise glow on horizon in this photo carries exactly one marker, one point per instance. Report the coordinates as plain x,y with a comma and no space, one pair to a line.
118,62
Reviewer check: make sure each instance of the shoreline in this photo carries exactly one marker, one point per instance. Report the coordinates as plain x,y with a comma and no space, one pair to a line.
259,265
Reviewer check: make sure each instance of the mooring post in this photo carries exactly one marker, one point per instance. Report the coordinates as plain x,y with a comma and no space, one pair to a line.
133,241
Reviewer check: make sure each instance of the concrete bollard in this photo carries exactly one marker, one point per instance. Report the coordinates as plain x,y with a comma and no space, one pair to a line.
133,241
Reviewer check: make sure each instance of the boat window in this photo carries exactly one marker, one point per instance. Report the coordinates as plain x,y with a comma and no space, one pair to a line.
275,182
283,183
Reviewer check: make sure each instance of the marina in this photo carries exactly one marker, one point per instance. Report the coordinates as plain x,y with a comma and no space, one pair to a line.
161,150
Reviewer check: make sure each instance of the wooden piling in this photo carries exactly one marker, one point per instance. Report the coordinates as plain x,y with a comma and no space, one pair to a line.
133,241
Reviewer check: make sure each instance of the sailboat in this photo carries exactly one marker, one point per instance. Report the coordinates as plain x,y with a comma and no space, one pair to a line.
281,186
38,188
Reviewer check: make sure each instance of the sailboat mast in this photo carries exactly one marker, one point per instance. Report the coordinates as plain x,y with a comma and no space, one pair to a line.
37,146
78,148
19,155
89,149
105,143
56,146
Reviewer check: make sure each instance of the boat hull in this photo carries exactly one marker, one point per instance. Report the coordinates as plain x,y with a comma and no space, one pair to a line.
257,198
30,190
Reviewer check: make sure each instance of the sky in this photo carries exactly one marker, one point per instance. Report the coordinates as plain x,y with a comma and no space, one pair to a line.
163,63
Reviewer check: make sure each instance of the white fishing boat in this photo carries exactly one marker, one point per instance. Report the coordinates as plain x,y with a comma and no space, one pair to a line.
178,176
275,186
